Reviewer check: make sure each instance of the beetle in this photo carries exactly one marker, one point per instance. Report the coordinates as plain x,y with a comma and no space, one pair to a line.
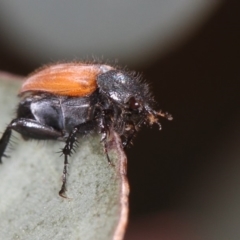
63,101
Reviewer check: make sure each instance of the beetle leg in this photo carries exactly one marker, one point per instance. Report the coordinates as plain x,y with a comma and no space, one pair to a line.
29,128
104,129
4,142
130,132
82,129
67,151
63,189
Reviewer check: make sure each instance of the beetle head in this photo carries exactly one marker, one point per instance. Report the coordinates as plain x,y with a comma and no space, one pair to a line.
130,94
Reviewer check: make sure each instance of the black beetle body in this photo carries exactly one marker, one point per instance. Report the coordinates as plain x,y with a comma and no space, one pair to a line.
106,99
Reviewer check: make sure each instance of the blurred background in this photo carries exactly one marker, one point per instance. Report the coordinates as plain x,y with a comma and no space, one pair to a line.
185,179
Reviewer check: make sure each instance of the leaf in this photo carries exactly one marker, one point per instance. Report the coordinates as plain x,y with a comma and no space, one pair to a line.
30,207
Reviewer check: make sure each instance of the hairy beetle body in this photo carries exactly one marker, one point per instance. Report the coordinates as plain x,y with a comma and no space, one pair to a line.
63,101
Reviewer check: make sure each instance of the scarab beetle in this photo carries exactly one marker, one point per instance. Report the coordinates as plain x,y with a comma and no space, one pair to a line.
64,101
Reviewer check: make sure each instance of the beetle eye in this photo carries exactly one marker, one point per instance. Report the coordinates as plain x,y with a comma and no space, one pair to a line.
133,104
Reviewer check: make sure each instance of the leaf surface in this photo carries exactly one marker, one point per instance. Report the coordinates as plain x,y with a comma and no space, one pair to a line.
30,207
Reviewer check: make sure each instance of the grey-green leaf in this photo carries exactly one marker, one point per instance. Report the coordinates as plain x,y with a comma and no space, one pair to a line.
30,207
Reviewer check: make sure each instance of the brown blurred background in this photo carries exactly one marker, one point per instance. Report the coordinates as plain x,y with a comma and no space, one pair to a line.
185,179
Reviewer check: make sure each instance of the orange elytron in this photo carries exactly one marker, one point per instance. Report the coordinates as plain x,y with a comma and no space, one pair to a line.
72,79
